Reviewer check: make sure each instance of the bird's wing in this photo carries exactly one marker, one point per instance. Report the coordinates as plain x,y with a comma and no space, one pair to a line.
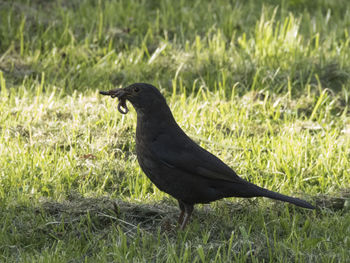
180,152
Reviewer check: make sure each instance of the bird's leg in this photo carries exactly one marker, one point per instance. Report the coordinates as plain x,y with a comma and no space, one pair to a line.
181,217
188,213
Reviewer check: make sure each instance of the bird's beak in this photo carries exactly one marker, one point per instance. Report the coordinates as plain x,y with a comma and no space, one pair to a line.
121,95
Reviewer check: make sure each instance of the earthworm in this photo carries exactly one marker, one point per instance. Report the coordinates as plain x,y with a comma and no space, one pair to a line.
122,108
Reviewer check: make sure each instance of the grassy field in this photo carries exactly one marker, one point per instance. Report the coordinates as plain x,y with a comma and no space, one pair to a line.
263,86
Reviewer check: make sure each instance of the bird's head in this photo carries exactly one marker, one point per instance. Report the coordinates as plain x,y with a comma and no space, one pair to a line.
144,97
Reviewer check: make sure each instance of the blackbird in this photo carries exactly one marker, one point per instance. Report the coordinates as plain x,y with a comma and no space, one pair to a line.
175,163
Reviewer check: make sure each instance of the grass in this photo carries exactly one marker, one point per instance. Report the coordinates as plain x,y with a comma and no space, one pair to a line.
263,86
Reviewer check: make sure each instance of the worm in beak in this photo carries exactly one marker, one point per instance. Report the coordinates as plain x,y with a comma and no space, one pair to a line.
121,95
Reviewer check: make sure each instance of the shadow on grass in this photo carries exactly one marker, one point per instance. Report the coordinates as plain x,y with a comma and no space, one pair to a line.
98,214
88,223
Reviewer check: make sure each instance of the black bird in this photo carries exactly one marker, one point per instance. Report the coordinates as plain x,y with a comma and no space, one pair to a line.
175,163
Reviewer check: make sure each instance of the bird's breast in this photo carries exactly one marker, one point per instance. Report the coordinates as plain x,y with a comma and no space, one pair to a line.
144,156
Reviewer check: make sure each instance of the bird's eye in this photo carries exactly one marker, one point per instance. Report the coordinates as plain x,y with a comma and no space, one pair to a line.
136,89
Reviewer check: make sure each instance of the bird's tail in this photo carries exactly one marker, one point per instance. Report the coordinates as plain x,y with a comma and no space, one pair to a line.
252,190
277,196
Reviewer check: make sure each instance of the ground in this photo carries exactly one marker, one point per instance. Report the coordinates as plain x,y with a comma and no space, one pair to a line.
265,87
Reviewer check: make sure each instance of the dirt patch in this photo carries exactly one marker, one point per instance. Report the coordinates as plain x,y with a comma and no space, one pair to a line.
104,212
334,203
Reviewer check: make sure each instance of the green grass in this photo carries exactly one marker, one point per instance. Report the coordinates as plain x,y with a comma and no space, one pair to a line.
263,86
